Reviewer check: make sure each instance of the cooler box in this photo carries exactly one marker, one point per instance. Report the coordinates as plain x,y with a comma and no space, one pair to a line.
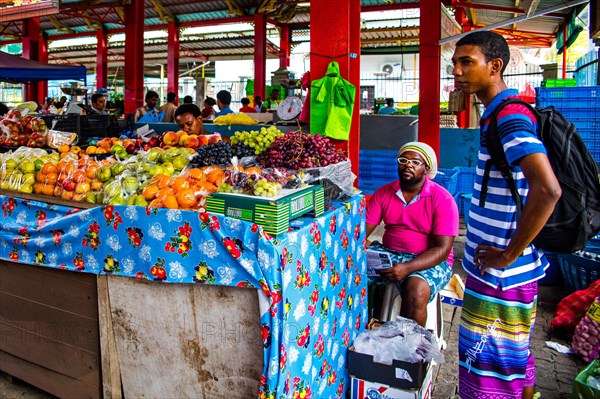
362,389
454,292
273,214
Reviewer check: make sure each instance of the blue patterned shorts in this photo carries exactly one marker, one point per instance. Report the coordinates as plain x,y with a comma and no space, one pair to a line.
437,276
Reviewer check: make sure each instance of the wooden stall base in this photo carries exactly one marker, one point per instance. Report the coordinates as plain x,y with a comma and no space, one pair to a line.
111,372
49,329
181,340
49,200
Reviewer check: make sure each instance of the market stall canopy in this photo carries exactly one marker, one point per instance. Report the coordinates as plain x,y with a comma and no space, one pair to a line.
19,70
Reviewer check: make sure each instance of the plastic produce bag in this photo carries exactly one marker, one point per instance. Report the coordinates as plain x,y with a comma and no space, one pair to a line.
402,339
587,383
337,180
586,340
152,117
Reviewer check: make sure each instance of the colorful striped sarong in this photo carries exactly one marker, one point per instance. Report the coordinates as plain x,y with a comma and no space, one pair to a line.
493,344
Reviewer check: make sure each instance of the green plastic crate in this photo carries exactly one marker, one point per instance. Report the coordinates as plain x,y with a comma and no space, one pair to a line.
559,83
581,390
273,215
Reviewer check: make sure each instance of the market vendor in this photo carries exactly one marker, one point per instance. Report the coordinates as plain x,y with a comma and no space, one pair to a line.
189,119
99,104
421,221
151,102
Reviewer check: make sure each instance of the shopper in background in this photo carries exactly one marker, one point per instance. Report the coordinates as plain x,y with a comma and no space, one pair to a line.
502,264
258,103
61,103
49,107
151,102
246,108
169,108
389,107
208,112
188,100
421,221
223,101
272,102
99,104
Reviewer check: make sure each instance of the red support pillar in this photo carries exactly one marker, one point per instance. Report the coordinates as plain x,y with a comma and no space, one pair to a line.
134,56
429,73
463,119
173,59
284,47
354,142
42,86
31,37
339,22
564,54
260,55
101,59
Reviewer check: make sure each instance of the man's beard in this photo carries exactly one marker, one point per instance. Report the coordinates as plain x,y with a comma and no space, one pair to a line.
410,181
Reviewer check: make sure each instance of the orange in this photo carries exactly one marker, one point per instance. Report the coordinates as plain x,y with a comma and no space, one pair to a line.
40,177
165,182
186,198
163,192
253,169
91,171
239,168
50,178
150,192
48,167
79,176
196,174
209,187
48,189
180,183
64,148
215,175
155,203
170,201
37,187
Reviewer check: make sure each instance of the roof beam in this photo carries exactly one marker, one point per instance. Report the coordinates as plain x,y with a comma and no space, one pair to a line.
163,14
471,6
549,10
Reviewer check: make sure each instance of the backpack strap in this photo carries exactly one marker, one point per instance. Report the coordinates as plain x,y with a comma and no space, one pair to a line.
498,156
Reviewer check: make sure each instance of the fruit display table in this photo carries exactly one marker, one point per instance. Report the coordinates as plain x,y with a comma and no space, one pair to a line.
209,334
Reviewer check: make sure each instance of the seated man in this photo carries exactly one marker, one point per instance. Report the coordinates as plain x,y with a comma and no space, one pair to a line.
151,102
223,101
99,104
421,222
189,119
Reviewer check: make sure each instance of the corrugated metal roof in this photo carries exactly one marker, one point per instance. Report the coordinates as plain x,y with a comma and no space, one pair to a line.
77,20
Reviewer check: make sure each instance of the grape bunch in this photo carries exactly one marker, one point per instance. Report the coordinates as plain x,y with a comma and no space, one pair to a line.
218,153
264,188
241,150
236,182
296,150
254,140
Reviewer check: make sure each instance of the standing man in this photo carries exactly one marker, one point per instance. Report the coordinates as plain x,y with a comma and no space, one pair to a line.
223,101
151,102
503,265
421,222
99,104
169,108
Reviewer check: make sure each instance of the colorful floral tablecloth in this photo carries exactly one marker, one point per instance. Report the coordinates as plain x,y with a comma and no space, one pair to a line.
313,276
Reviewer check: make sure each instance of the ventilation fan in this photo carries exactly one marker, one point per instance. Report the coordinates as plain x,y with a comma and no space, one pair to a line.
387,69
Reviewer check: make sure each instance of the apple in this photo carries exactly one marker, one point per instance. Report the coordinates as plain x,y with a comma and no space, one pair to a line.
82,187
103,173
26,188
69,185
54,157
90,197
154,154
26,166
202,140
68,195
191,141
116,148
96,185
38,163
182,138
153,141
170,138
180,162
28,178
169,168
117,168
130,184
130,148
156,169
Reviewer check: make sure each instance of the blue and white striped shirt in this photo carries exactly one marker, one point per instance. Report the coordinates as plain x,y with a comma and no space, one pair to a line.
496,222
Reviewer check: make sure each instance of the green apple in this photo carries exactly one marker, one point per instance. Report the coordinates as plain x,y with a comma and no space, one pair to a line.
156,169
154,154
113,190
103,173
117,200
140,201
28,178
145,167
169,168
38,163
26,166
130,184
117,148
180,162
90,197
117,168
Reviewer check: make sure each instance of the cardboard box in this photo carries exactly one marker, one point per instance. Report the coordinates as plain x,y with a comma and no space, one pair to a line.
454,292
364,367
361,389
273,214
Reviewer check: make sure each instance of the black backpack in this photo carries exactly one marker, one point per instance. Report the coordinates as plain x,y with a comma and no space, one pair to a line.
576,216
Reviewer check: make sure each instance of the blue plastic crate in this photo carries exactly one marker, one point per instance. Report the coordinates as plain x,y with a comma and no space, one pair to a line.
568,103
578,272
447,178
463,201
589,134
369,186
580,112
546,93
466,180
593,145
586,123
378,165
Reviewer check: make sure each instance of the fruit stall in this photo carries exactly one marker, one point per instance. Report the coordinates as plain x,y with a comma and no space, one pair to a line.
266,270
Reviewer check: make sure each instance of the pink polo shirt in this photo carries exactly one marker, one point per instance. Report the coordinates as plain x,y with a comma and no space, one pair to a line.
409,227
